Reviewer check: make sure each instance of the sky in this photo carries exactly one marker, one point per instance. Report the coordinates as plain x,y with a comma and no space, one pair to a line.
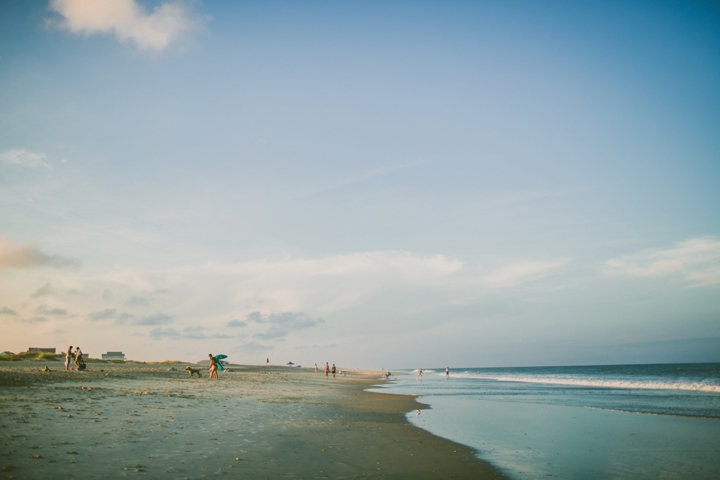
376,184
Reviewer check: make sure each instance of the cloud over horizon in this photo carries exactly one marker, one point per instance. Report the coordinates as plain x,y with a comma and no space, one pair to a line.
696,259
29,255
282,323
128,21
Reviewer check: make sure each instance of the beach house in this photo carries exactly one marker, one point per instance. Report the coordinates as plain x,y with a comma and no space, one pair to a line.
113,356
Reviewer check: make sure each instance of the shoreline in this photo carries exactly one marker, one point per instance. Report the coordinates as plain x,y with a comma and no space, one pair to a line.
257,421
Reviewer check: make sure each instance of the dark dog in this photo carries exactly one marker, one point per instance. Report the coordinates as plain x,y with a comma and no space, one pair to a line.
192,371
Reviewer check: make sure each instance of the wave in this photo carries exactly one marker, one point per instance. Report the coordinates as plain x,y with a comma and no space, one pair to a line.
647,384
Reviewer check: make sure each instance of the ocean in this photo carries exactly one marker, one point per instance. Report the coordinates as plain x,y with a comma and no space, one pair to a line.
590,422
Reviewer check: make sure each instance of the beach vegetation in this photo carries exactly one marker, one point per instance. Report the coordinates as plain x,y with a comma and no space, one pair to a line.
9,357
17,357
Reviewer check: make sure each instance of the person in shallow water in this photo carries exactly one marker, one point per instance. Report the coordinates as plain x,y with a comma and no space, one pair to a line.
213,367
334,370
327,369
447,372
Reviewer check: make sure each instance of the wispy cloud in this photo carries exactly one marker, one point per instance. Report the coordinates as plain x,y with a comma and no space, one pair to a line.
26,158
137,301
154,319
194,333
696,260
236,324
37,319
43,291
515,273
129,21
282,323
44,310
7,311
30,255
107,314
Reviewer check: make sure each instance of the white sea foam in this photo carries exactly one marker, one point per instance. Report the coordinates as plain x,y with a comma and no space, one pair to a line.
577,381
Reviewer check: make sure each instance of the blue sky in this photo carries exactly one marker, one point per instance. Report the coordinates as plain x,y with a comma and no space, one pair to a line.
374,184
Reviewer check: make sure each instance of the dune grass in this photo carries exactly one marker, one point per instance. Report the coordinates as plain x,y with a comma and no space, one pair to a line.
17,357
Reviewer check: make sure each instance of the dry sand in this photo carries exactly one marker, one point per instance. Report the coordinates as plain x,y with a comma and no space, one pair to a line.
255,422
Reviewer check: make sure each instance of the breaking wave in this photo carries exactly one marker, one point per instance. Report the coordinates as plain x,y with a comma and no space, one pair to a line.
597,382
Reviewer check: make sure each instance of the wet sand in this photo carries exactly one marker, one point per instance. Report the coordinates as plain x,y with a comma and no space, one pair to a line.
255,422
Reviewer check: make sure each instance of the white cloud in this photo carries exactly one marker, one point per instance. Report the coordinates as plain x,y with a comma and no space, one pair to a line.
322,284
26,158
129,21
696,260
277,302
519,272
30,255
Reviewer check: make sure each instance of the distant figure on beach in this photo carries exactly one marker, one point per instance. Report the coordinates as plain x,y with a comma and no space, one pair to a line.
334,370
420,374
316,368
68,357
79,362
447,372
213,367
267,361
327,369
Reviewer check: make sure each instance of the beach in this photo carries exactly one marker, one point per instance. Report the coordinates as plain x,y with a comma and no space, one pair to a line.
125,420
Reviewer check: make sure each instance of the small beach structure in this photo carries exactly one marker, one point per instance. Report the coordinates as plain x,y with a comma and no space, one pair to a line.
41,350
113,356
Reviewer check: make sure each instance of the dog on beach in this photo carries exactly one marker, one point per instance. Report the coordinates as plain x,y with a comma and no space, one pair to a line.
192,371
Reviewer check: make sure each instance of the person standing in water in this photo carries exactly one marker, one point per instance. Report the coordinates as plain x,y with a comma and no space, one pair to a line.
447,372
68,357
327,369
213,367
420,374
334,370
316,368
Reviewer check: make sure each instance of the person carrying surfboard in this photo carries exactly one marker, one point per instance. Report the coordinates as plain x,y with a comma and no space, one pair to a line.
216,364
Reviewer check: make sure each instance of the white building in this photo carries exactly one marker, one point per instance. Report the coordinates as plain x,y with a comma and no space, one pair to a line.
113,356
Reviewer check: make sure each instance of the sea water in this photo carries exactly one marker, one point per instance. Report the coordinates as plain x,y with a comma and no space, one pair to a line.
591,422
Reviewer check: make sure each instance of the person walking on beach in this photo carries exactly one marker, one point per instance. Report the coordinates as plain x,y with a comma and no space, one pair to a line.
327,369
213,367
334,370
447,372
316,368
68,357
